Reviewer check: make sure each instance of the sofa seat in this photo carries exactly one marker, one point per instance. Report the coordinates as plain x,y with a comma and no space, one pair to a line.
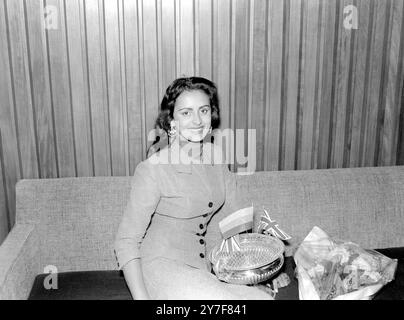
83,285
111,285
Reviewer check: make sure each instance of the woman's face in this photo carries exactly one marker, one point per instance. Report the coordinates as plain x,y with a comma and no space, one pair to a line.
192,115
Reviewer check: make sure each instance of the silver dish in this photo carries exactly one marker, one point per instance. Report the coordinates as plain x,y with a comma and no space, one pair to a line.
260,257
252,276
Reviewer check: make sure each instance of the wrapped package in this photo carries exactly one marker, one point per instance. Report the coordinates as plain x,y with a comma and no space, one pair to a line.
329,269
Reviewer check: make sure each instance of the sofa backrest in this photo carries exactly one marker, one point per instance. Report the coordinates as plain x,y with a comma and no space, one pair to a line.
362,205
77,218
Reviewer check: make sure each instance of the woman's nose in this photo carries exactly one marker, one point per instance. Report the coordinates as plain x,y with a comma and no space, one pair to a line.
197,118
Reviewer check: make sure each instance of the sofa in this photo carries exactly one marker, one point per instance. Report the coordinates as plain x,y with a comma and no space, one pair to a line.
69,224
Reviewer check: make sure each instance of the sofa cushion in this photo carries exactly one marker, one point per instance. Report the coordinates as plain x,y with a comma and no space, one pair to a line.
111,285
85,285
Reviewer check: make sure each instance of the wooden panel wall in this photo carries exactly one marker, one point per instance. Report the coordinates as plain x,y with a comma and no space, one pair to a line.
80,99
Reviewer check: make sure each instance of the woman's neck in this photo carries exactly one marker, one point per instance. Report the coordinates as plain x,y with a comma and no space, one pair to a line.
193,149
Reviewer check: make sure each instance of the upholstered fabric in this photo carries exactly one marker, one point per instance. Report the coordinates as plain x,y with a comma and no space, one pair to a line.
76,219
19,263
71,222
363,205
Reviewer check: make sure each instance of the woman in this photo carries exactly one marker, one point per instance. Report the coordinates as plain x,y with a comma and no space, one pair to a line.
167,228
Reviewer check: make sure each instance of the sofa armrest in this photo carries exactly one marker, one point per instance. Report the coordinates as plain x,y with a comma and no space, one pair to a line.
19,262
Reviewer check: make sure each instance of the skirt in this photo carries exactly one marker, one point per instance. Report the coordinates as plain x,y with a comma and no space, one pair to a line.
168,279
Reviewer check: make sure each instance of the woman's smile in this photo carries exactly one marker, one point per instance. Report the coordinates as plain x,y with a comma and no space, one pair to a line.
192,115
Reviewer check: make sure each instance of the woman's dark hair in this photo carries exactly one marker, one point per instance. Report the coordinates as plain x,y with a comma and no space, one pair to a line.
187,84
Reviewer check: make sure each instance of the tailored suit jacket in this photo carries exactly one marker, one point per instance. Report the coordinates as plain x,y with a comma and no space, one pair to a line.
171,206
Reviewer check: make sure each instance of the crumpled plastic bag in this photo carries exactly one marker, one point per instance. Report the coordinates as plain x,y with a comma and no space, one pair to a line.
329,269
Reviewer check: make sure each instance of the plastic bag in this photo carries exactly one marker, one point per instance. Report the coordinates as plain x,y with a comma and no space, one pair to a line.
329,269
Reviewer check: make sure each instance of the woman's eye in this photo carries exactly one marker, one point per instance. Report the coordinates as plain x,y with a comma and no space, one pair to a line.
185,113
205,111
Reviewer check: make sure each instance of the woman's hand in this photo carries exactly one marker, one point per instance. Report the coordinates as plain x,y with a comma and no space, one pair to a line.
134,279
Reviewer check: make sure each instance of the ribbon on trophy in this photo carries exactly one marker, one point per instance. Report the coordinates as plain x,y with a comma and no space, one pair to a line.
230,227
270,226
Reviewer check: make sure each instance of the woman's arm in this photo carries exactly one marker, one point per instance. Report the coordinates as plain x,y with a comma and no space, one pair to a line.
134,279
144,198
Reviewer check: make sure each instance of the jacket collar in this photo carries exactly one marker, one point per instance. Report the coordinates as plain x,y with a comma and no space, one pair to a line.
179,159
183,163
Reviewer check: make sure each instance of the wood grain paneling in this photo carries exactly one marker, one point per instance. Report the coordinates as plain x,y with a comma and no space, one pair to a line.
75,31
273,84
60,79
80,99
150,63
327,68
341,83
4,212
10,148
94,32
204,38
258,90
134,87
223,59
241,73
359,75
292,52
391,97
167,42
185,29
372,107
21,82
115,86
309,81
41,94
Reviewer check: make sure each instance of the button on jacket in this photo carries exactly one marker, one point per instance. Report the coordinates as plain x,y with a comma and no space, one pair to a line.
170,208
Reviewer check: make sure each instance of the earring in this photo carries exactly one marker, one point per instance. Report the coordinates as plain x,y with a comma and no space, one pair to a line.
210,130
172,131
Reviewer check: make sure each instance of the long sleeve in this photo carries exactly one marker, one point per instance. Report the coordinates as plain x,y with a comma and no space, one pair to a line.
232,203
144,198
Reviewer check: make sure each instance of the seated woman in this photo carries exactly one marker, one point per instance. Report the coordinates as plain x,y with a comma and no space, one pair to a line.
167,228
